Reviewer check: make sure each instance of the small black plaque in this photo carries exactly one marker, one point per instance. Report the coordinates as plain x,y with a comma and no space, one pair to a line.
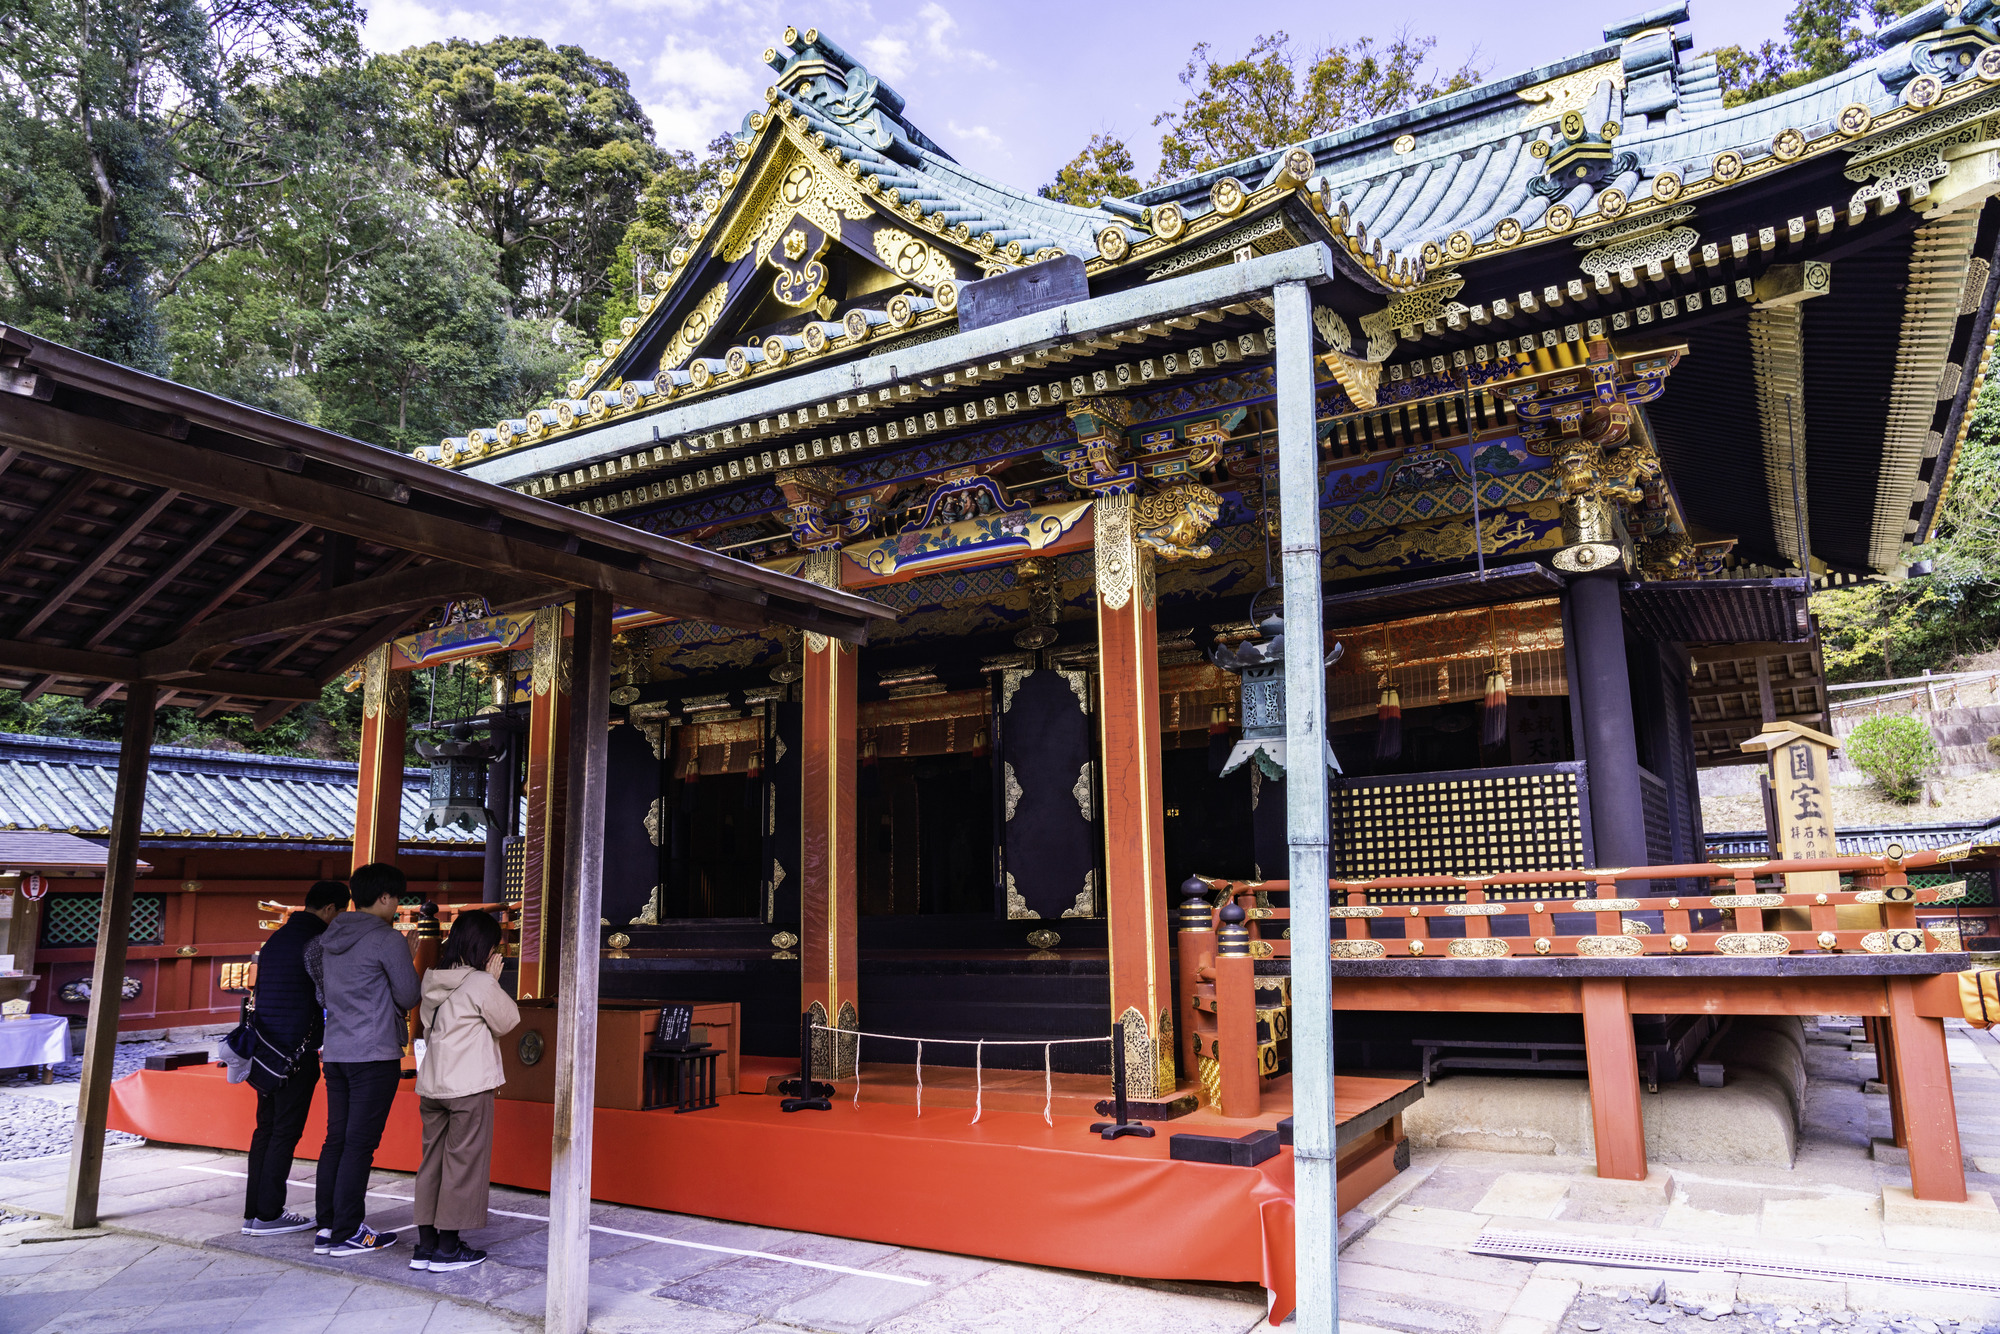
1018,292
674,1033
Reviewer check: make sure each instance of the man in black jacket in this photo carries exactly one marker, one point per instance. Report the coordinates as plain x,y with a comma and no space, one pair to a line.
289,1015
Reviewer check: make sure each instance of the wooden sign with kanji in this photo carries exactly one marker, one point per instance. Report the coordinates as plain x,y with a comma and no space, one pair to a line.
1799,763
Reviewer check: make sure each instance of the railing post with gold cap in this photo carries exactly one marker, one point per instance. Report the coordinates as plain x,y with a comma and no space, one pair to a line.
1236,1015
1194,946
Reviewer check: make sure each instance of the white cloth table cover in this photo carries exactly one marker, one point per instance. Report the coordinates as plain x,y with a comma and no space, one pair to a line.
37,1039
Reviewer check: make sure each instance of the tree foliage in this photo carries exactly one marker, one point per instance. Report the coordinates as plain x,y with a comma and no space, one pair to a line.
1881,631
1277,95
1822,37
1896,752
116,129
1103,169
541,150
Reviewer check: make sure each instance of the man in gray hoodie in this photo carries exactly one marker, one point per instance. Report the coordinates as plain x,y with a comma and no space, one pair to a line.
367,985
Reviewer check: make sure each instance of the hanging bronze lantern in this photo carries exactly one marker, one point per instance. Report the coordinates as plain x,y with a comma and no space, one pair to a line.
1261,664
458,779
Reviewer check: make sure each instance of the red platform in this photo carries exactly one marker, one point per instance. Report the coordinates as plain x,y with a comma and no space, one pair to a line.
1009,1187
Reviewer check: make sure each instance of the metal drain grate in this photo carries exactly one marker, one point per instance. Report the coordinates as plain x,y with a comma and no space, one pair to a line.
1640,1255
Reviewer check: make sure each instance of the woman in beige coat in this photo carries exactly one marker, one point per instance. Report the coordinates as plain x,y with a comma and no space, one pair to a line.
464,1012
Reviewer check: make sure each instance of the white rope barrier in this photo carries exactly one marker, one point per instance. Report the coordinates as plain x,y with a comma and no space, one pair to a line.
979,1046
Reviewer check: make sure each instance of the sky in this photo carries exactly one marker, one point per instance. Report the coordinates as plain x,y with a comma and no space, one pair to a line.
1012,91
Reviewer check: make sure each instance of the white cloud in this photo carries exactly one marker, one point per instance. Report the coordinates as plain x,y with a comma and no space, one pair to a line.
696,94
395,25
887,56
979,134
931,34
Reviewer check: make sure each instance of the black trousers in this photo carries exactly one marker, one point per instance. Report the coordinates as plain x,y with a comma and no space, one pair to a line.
281,1118
358,1097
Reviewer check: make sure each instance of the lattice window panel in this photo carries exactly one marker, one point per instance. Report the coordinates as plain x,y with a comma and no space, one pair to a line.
1978,884
69,921
1482,821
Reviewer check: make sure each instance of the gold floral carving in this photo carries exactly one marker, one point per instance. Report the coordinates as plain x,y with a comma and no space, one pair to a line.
800,188
650,914
1905,941
656,820
1354,912
381,688
1753,942
1572,92
696,327
821,567
912,259
1475,909
548,648
1945,940
1952,892
1609,946
1116,557
1086,898
1602,905
1361,379
1358,949
1479,947
1012,786
1010,682
1017,905
1747,901
1079,685
1081,791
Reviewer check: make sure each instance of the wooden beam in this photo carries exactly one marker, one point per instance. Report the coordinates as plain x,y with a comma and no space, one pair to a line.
706,588
568,1308
1709,653
402,591
249,570
106,550
46,515
158,583
1923,1078
1616,1120
114,926
32,659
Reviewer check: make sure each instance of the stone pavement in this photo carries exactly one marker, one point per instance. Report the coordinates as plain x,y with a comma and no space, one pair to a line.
1408,1263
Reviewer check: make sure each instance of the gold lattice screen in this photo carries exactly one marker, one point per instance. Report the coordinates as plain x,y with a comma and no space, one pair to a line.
1524,818
1444,658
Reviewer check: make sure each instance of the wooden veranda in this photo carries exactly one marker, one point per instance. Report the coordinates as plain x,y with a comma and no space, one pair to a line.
159,543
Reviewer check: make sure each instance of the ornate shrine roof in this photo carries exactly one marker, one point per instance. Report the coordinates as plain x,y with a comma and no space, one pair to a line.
1608,195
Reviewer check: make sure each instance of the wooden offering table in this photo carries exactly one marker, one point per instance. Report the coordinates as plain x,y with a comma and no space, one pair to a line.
624,1033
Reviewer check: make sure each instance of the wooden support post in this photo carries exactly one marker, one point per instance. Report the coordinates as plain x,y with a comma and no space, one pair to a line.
1610,746
1236,1016
385,725
829,900
1616,1120
1316,1233
1923,1085
576,993
114,929
542,843
1135,848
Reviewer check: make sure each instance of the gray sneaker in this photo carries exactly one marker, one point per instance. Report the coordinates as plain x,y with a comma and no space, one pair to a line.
273,1227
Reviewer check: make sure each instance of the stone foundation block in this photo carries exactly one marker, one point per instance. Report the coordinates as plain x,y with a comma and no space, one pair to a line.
1525,1195
1646,1284
1708,1288
1901,1208
1657,1188
1888,1151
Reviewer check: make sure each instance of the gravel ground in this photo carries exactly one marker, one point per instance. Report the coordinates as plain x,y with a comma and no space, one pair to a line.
1593,1312
38,1127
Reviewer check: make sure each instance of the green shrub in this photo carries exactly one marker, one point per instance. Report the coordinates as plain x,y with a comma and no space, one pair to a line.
1993,744
1896,752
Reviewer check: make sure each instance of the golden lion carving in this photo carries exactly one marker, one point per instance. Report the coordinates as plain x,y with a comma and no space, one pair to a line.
1172,522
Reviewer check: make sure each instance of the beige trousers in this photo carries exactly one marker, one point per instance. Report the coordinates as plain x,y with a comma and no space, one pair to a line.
458,1154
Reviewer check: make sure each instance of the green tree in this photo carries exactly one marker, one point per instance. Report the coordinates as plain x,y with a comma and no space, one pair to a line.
115,123
665,209
541,150
1880,631
1274,96
1103,169
1822,37
1896,752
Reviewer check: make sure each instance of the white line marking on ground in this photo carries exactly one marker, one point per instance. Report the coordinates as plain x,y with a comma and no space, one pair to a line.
620,1232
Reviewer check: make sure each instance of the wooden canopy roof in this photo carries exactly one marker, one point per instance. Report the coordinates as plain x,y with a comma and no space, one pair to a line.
149,531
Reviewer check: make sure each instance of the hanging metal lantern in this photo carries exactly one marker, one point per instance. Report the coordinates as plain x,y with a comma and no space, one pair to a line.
458,779
1261,664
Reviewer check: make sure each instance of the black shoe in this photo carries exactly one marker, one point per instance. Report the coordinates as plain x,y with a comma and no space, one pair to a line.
421,1255
460,1256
